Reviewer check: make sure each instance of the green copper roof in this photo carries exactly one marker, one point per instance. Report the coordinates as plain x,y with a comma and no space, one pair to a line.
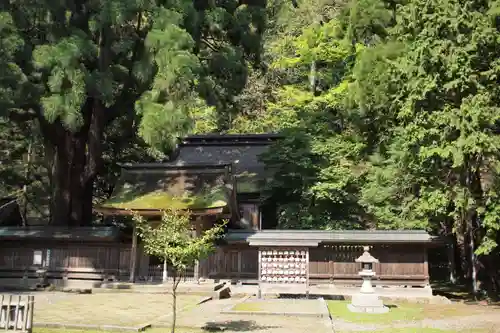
157,188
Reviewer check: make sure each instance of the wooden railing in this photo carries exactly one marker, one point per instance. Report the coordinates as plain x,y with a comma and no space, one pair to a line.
16,313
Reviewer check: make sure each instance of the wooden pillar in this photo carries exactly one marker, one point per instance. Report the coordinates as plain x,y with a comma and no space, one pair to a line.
259,293
133,255
197,232
307,272
240,264
450,248
426,265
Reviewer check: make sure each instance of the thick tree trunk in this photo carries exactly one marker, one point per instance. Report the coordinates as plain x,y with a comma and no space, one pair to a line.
76,162
71,196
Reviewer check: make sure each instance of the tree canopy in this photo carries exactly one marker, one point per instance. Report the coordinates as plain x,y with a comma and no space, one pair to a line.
81,68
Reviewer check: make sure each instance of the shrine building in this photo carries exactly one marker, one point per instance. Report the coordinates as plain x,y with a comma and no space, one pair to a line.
215,177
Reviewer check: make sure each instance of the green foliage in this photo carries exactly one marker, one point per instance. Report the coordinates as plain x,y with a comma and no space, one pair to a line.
82,72
441,93
172,239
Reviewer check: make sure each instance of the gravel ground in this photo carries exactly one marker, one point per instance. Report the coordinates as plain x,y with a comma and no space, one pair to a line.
122,309
128,308
209,315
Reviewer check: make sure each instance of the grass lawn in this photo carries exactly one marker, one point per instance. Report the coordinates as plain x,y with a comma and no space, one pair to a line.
280,306
418,330
405,312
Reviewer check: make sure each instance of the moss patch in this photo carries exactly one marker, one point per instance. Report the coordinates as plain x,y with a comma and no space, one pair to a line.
164,189
404,312
417,330
247,182
162,200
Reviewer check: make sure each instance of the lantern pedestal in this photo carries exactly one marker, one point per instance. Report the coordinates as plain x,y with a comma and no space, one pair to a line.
367,303
366,300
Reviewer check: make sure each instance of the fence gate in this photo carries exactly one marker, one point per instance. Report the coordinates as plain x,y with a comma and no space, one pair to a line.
16,313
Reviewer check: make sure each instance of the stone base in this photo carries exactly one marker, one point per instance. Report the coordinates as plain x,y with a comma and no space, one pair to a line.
367,303
367,309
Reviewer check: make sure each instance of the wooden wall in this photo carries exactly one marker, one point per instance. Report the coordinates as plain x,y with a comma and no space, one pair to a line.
399,264
231,262
70,261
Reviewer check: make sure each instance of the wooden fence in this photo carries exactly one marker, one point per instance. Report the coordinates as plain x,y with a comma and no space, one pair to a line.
399,264
95,262
16,313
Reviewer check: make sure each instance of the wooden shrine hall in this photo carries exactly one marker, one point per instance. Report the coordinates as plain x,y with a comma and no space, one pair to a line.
215,177
220,176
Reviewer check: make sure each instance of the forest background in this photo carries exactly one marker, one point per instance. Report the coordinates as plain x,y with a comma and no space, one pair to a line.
389,108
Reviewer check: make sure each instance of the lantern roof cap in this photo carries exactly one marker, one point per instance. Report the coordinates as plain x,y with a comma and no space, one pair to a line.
366,257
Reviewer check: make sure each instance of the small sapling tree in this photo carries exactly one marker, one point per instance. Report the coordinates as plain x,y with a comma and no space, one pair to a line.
172,239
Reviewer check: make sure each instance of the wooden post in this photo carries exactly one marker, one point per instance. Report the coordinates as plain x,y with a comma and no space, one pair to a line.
133,255
426,266
197,271
307,272
30,308
164,276
450,248
7,313
198,230
259,294
240,265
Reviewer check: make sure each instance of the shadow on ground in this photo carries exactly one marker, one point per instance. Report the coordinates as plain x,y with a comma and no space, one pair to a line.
235,325
461,293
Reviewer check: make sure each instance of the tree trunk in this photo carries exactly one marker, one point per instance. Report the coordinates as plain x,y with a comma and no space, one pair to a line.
174,308
76,164
176,279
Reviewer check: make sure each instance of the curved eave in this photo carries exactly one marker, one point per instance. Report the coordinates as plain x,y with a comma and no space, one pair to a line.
156,212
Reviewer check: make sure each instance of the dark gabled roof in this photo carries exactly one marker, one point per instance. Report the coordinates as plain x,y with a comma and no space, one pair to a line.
99,234
312,238
231,139
242,151
155,187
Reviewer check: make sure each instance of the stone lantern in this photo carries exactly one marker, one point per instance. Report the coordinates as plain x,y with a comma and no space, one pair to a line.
366,300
